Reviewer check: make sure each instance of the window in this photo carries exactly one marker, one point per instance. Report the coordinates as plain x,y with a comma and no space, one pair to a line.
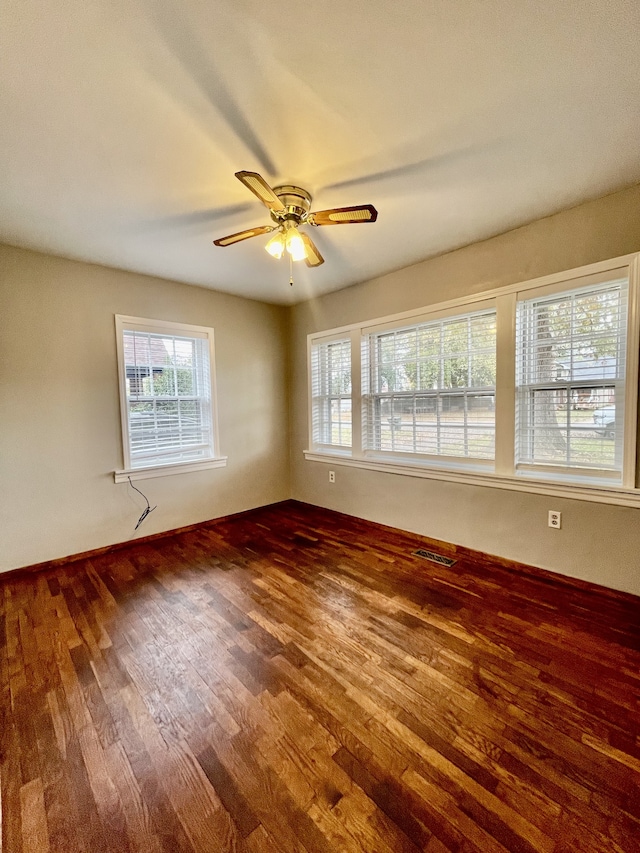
429,389
331,393
530,387
571,379
167,400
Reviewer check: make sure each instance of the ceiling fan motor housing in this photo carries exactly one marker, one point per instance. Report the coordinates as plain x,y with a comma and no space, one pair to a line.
297,203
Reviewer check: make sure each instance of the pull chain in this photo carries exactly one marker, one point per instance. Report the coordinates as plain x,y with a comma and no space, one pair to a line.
290,270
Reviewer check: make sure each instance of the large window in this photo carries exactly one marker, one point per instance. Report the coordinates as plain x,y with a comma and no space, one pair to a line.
429,389
531,386
167,400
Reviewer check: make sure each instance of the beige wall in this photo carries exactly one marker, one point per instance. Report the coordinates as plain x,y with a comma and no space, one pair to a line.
60,438
597,542
60,424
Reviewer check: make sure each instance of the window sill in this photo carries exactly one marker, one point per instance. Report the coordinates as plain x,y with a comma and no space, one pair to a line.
576,491
167,470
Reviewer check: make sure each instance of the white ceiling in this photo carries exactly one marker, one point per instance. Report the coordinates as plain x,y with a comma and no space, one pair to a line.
123,122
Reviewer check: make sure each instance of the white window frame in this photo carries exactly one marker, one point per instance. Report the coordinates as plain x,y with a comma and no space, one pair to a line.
158,468
503,474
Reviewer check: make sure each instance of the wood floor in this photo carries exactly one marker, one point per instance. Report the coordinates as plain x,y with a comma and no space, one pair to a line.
295,680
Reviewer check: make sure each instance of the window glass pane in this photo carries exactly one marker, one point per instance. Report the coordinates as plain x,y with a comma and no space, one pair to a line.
331,384
455,372
574,428
341,422
410,407
460,425
169,400
571,373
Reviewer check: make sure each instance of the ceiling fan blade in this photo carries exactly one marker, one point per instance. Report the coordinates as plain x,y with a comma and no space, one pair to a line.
344,215
243,235
313,258
259,187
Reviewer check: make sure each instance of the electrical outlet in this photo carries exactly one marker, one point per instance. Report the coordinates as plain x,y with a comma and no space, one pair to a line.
332,476
555,519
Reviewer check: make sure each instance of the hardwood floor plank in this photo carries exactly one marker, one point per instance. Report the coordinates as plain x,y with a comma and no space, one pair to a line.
11,781
388,796
226,789
35,833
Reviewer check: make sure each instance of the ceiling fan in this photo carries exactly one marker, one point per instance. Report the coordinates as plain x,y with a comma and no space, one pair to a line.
290,208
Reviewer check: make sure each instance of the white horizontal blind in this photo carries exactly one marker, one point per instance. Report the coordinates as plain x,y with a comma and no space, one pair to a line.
429,389
168,394
570,376
331,393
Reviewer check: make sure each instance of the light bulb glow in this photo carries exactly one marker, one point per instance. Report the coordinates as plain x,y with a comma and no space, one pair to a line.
295,245
275,246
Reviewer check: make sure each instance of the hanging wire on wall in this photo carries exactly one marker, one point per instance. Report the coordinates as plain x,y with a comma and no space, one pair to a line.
147,510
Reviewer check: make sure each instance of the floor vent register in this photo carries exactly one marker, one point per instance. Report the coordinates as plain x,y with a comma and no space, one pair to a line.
435,558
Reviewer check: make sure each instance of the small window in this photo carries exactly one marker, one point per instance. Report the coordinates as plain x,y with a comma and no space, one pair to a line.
429,389
166,387
331,394
571,369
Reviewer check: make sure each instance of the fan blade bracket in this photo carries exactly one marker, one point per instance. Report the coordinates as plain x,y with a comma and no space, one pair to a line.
344,215
261,189
230,239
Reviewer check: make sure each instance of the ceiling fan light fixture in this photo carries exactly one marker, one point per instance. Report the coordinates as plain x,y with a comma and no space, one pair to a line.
295,244
276,245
